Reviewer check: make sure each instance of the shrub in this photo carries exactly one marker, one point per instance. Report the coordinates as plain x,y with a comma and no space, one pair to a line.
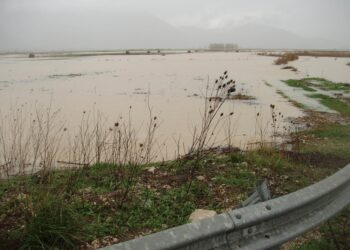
52,225
285,58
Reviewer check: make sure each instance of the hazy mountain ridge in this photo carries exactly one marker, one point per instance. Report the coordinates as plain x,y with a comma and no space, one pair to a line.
88,31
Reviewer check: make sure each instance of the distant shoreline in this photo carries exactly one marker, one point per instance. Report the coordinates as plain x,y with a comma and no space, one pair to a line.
299,52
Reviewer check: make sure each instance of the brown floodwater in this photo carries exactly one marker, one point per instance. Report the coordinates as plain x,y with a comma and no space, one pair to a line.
174,84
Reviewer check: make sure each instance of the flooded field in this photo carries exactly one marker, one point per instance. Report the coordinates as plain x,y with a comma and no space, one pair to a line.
174,85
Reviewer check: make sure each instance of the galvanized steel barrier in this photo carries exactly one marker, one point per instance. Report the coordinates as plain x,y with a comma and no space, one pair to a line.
264,225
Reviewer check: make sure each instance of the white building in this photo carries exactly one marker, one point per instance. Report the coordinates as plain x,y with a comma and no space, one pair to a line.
223,47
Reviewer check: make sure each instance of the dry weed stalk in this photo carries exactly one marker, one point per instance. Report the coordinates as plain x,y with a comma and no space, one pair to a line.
37,142
29,145
267,131
215,97
212,116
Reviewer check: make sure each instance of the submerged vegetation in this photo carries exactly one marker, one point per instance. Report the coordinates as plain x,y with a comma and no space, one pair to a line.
333,103
333,95
313,53
313,83
282,58
111,189
300,84
293,102
291,68
285,58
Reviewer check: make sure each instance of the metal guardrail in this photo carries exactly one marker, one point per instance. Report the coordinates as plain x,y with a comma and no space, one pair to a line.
264,225
260,194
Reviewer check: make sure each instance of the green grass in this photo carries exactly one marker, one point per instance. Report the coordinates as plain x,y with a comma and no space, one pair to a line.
328,85
334,131
300,84
334,235
316,244
53,225
311,84
336,87
330,139
333,103
242,178
87,212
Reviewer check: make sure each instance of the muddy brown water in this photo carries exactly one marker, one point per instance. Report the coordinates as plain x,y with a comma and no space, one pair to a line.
174,84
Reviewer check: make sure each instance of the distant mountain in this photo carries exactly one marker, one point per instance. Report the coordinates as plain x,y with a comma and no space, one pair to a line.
89,31
259,36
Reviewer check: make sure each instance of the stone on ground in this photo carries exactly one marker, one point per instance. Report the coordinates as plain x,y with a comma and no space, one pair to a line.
200,214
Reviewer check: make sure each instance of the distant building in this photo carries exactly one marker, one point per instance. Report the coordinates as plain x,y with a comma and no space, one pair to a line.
231,46
223,47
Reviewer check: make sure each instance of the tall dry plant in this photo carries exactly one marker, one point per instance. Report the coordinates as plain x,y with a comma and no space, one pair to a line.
29,144
204,135
268,131
39,141
215,97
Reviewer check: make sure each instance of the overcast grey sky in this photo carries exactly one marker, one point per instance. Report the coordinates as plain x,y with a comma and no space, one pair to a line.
33,24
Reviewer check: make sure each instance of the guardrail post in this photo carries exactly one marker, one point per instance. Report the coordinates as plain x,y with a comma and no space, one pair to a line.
261,193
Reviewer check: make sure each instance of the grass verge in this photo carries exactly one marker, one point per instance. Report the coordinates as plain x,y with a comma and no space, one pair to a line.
93,212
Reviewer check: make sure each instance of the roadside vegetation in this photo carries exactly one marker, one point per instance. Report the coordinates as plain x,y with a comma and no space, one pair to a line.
328,141
114,191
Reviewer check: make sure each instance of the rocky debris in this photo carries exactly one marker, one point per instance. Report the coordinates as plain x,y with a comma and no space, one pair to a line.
98,243
167,187
85,190
200,178
244,164
200,214
151,170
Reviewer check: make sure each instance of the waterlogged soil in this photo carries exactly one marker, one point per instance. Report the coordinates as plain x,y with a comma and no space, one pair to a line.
174,83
